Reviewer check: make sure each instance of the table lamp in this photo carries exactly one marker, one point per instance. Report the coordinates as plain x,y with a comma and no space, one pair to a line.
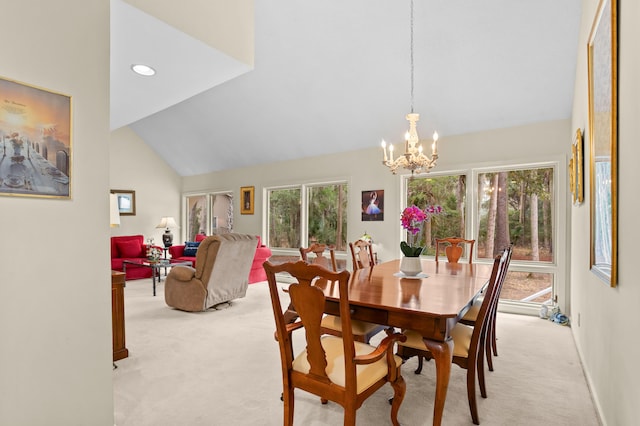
167,237
114,212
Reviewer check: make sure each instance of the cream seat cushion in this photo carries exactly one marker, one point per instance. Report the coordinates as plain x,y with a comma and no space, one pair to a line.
366,375
472,313
461,335
358,328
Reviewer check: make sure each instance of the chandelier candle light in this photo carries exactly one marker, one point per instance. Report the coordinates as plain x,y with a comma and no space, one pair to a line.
413,158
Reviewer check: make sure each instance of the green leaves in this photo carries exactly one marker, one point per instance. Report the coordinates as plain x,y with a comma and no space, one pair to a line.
409,251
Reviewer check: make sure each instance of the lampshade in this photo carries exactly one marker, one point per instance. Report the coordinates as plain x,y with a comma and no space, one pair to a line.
167,237
114,213
167,222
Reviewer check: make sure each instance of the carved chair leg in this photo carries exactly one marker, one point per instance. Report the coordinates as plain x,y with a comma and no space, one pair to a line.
399,390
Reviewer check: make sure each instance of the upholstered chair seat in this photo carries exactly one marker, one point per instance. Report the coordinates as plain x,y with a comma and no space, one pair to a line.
366,374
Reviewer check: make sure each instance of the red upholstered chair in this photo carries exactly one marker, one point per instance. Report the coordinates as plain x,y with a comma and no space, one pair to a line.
263,253
129,247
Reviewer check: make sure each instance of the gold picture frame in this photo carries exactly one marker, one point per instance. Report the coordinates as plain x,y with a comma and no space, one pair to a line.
246,199
602,54
35,141
572,175
577,151
126,201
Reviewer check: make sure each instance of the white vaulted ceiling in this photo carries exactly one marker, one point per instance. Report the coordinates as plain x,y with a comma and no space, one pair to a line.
241,83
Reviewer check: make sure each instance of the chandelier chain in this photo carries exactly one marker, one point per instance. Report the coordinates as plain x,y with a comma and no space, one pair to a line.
413,159
411,56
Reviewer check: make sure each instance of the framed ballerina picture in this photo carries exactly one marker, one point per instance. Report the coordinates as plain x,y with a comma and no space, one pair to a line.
372,205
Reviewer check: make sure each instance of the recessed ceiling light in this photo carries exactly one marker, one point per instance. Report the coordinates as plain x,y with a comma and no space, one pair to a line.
143,70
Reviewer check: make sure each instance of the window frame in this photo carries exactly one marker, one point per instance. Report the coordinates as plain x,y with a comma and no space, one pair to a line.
304,213
208,216
560,221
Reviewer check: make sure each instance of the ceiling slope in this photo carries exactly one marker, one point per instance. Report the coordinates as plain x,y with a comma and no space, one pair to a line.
334,76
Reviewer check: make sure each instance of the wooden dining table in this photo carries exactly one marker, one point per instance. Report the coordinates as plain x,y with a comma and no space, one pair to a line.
431,304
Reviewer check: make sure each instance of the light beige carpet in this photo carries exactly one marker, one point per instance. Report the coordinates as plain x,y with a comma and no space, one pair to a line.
222,367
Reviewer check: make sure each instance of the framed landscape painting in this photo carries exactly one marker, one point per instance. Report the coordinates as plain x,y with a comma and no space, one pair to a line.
35,141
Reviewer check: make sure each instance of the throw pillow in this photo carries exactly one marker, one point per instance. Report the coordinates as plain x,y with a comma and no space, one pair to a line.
129,248
190,248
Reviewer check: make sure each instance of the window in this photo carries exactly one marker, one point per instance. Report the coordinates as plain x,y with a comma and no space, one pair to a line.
515,207
284,217
327,206
221,213
196,216
449,192
208,214
507,205
318,212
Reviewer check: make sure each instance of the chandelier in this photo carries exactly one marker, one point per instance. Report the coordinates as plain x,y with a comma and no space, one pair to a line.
413,158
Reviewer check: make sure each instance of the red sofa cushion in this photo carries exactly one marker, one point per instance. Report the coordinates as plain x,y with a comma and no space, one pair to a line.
129,248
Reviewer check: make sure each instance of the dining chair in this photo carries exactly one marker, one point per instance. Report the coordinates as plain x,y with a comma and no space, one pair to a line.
334,368
452,248
468,342
319,255
362,254
471,318
362,331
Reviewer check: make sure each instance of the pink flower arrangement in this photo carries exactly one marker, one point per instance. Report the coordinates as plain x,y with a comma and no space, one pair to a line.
412,219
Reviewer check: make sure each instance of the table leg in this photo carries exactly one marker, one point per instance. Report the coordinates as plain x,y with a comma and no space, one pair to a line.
153,273
443,355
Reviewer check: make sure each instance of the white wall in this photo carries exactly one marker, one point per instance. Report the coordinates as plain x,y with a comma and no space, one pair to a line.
364,171
135,166
55,321
607,332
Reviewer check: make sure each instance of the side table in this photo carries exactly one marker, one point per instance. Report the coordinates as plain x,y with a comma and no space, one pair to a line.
155,267
120,350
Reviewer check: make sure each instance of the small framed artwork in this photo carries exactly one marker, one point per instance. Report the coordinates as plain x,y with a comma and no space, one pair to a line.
35,141
372,205
246,198
126,201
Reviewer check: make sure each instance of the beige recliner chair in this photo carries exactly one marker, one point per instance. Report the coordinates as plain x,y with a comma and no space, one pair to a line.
223,263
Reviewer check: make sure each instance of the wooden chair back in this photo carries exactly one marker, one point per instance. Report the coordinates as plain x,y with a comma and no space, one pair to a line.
311,370
318,250
453,250
362,254
491,341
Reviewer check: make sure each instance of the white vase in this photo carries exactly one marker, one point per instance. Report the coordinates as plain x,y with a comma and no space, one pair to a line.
410,266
